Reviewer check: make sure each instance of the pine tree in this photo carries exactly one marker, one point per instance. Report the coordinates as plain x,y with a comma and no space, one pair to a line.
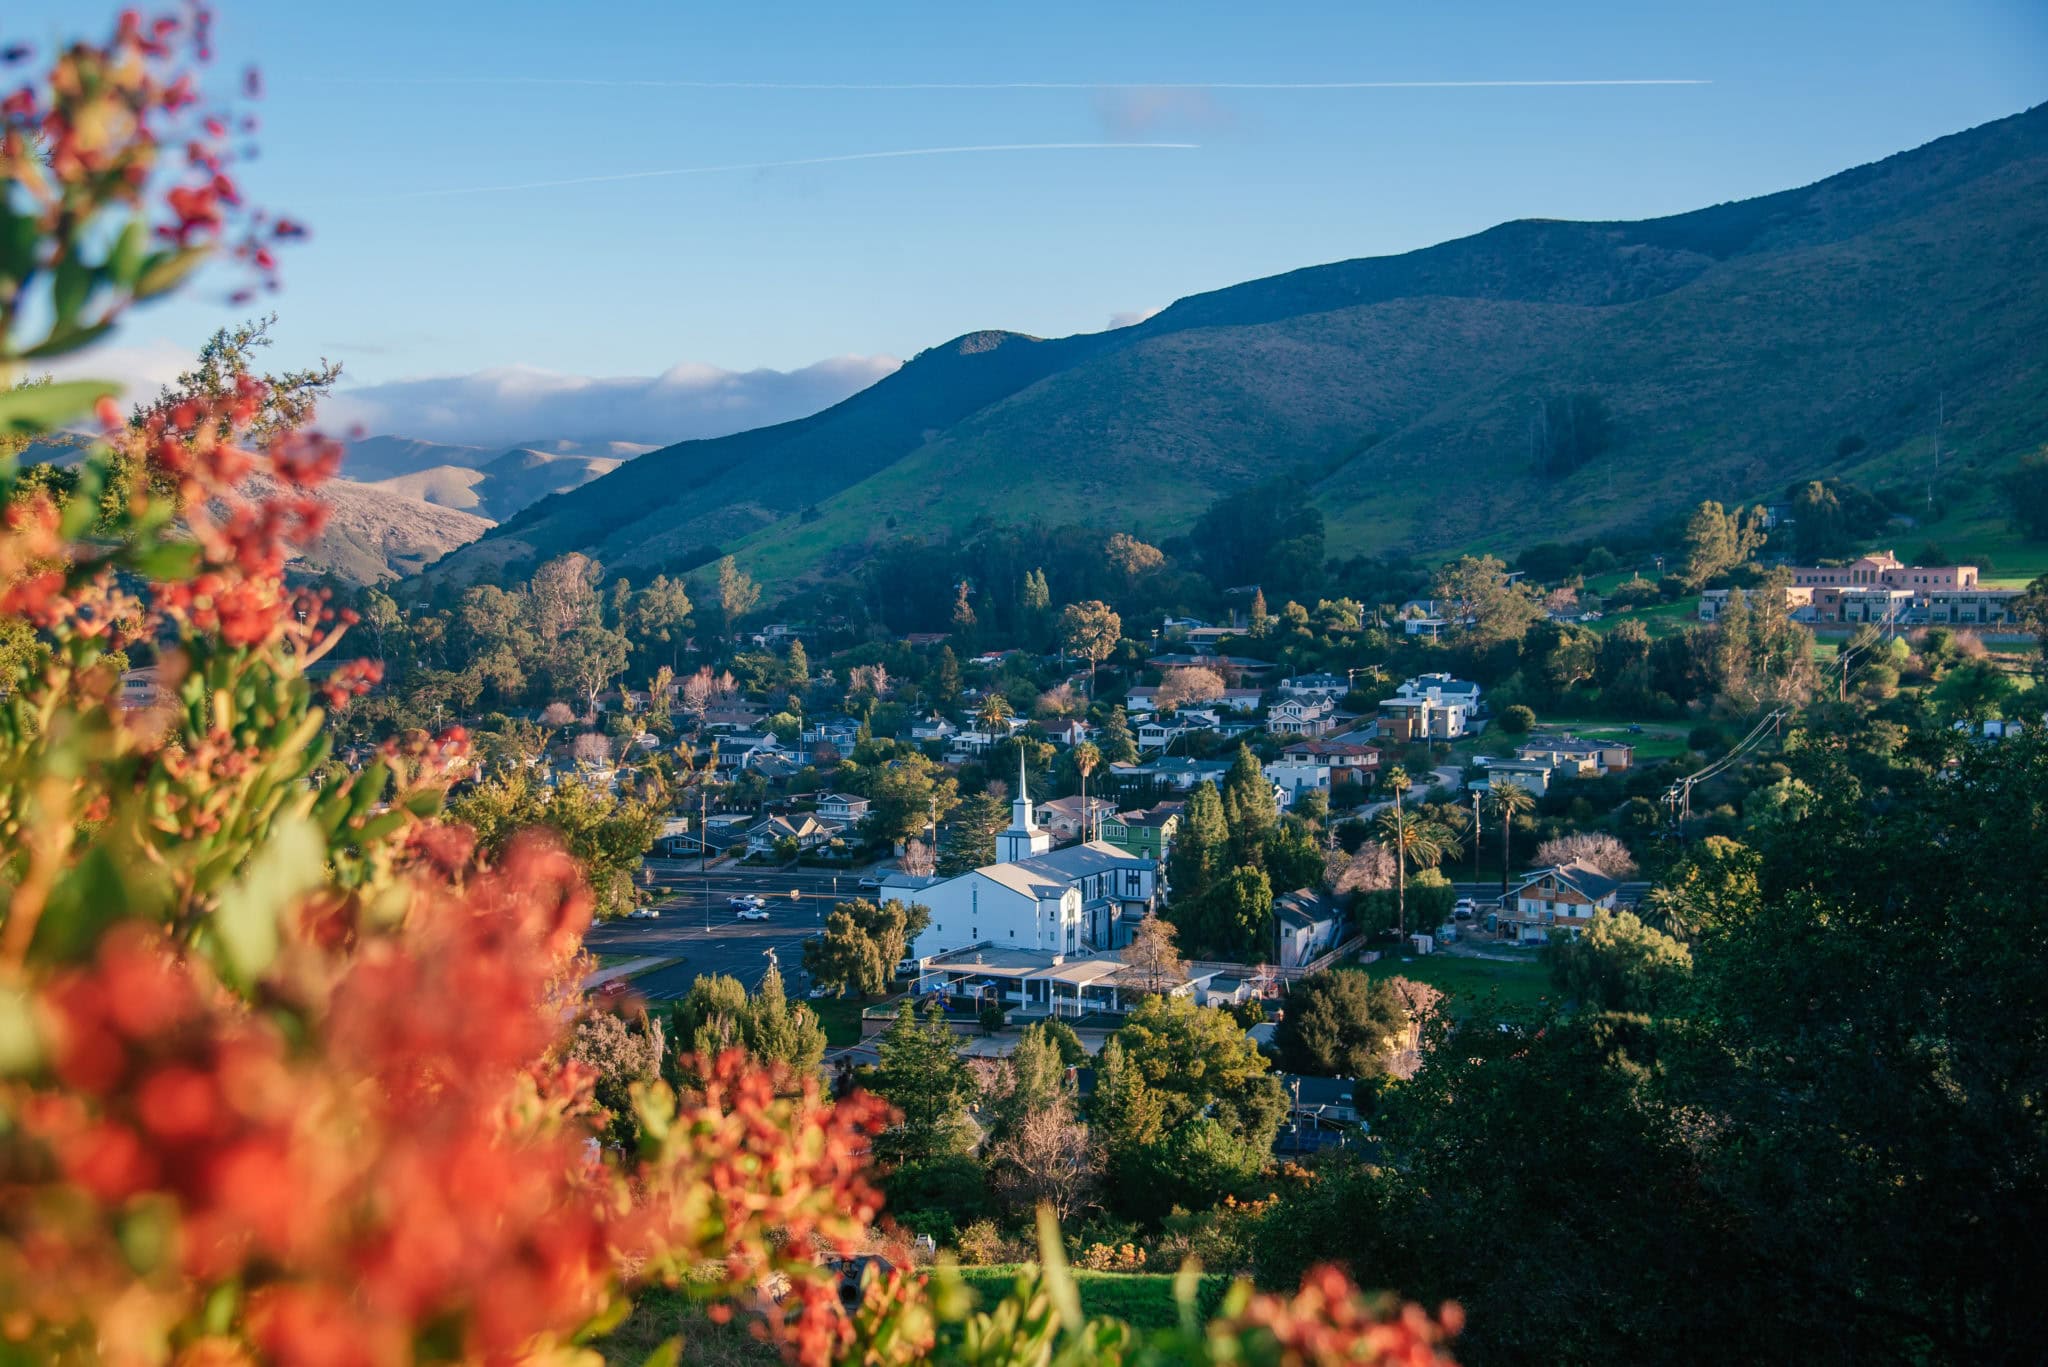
1262,620
1202,846
1248,805
923,1076
799,665
1117,744
946,676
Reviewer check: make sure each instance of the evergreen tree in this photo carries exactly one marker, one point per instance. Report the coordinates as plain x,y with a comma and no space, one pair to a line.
799,666
1248,803
923,1076
1262,620
945,682
1201,848
1117,744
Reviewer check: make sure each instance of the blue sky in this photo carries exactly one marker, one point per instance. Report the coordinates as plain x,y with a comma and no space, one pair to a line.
375,110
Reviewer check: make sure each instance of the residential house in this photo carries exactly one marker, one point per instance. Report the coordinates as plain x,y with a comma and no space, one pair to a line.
1142,698
1532,774
1306,926
1148,833
842,809
1429,707
1305,716
1066,819
732,715
921,639
1242,665
1066,731
1173,771
1330,686
1159,733
1348,761
1575,755
933,727
802,827
1291,779
1563,898
676,840
841,733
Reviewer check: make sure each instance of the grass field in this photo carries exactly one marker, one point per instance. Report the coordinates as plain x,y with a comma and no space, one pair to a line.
1142,1299
1662,620
841,1018
1471,983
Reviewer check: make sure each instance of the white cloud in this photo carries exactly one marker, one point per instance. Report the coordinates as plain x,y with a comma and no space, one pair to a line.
512,404
140,369
1132,317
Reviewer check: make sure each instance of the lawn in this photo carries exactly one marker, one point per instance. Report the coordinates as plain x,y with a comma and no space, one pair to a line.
1142,1299
1662,620
1470,983
1659,740
841,1018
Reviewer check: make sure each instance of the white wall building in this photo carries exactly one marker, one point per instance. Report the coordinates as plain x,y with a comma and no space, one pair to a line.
1087,896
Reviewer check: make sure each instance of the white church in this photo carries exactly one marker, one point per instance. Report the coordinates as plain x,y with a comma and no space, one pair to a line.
1070,901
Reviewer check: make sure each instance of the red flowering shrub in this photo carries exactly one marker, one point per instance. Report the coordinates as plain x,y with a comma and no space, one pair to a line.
286,1071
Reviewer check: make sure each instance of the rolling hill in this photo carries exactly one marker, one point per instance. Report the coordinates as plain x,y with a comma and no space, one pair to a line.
498,488
1723,352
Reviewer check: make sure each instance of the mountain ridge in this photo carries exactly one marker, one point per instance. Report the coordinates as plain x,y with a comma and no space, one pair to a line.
1830,308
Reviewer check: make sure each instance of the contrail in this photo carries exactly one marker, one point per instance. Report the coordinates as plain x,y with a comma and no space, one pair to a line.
622,83
812,161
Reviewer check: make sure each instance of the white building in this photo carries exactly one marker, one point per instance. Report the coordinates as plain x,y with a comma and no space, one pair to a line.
1084,897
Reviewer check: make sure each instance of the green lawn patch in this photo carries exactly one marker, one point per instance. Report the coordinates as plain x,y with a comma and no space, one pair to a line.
1661,620
1471,983
1144,1300
1657,740
841,1018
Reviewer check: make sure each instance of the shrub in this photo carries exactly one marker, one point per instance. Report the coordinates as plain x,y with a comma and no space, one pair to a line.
1517,720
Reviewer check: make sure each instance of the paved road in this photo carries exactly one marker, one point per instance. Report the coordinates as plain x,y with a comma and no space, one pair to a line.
697,926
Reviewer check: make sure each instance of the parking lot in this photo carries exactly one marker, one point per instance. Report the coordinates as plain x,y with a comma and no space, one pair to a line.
698,925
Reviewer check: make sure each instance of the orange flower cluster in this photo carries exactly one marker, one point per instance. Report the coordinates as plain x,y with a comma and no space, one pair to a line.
1329,1322
414,1159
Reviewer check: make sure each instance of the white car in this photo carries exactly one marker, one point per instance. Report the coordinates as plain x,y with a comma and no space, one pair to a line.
753,914
643,914
871,880
746,901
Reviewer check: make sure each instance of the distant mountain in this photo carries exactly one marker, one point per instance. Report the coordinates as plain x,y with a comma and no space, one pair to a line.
1542,380
501,487
375,535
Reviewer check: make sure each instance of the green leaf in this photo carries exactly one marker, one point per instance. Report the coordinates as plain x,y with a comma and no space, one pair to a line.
18,238
70,289
668,1354
164,270
1059,1281
291,863
167,561
425,802
66,338
33,411
124,263
82,509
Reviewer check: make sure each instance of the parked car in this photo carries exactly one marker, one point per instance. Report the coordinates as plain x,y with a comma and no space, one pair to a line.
744,902
1463,910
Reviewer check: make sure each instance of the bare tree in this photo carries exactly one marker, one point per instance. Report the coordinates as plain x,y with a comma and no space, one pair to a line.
1059,701
591,747
1194,684
918,860
1369,870
1597,850
557,714
1050,1159
1154,958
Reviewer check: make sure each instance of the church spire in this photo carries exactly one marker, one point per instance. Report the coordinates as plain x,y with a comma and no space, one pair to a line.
1025,837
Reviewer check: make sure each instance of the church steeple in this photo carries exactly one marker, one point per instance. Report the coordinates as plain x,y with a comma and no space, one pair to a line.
1024,838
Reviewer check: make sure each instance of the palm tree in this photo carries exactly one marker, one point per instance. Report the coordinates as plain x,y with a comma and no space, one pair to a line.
994,711
1414,837
1086,758
1510,800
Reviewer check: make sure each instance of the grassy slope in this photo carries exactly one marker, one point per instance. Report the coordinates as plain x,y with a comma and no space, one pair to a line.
1142,1299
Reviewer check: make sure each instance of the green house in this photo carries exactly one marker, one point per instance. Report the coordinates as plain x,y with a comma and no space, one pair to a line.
1148,834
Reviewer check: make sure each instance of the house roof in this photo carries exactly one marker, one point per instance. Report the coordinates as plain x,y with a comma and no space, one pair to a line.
1588,882
1153,816
1303,909
1331,747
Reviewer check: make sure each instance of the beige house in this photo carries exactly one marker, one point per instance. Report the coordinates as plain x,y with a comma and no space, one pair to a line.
1564,898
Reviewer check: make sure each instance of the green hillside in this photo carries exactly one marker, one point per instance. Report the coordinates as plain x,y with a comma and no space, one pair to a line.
1538,381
